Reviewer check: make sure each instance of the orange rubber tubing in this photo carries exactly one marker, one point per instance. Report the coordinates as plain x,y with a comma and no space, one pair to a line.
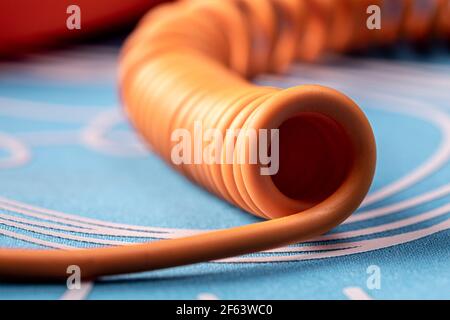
188,61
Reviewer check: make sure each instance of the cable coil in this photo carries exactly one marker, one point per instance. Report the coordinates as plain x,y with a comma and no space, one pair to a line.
188,61
175,70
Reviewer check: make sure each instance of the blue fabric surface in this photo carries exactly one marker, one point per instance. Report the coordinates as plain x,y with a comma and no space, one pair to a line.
66,146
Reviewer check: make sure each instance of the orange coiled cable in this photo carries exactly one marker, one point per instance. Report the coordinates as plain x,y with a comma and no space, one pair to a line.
175,70
225,103
187,62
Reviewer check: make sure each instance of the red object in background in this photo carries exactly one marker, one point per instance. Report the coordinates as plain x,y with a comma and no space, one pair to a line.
27,24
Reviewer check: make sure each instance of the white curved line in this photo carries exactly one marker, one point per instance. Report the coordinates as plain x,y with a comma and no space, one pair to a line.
343,77
33,240
66,236
24,224
75,220
363,246
311,248
400,206
417,70
422,217
88,228
380,72
99,230
30,228
437,160
95,231
19,154
60,234
354,247
94,136
387,226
